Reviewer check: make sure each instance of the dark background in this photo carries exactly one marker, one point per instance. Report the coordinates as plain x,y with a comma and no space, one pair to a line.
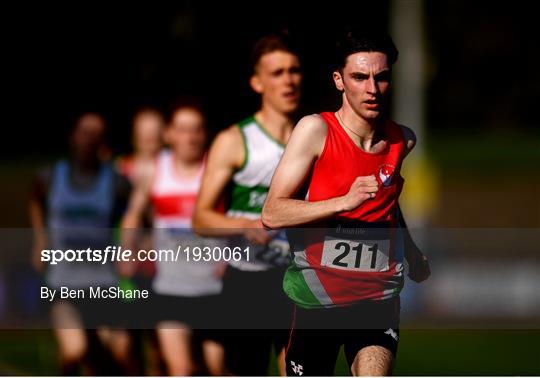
62,60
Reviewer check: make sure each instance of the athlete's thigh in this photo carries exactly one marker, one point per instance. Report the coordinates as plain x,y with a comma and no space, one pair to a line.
175,348
173,332
312,352
69,330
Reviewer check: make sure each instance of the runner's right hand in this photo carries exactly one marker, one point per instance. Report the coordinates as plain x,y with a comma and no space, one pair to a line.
362,189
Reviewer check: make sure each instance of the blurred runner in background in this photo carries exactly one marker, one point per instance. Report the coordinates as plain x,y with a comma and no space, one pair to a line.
242,159
185,292
146,139
75,204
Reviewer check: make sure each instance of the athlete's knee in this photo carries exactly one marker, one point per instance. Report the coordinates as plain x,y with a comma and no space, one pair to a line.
373,360
179,367
73,346
73,357
121,345
214,358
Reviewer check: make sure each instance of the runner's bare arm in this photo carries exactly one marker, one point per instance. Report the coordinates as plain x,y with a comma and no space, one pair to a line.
37,214
139,198
224,158
132,219
304,147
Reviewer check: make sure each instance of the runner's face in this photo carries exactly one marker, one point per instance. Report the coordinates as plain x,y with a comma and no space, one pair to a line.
87,139
277,79
186,134
365,81
147,133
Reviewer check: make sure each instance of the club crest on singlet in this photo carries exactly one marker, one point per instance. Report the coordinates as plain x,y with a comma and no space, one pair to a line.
386,174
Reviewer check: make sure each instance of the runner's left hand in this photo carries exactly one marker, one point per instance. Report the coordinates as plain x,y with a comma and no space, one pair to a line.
419,269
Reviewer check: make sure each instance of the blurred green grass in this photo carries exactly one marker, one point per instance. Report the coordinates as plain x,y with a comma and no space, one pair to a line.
484,153
421,352
469,352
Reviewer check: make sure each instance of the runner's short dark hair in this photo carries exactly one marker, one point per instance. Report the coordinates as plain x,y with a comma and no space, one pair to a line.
355,40
183,102
281,41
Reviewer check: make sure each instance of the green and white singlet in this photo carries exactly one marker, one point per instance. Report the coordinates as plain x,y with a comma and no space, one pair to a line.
250,189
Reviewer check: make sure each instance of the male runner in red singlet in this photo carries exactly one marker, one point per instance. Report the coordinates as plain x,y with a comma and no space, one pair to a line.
349,276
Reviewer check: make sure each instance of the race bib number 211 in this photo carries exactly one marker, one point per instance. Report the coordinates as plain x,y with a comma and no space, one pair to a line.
356,255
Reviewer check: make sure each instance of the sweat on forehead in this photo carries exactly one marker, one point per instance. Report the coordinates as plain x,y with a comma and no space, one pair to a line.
367,61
